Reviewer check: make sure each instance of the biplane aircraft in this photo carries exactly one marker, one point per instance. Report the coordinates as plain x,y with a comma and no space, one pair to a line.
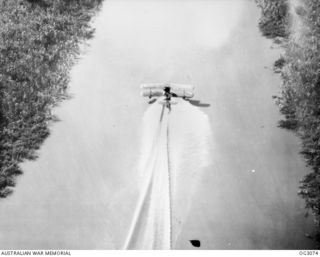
167,91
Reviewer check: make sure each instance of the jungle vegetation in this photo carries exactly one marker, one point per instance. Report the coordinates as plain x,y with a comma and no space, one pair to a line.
299,100
39,42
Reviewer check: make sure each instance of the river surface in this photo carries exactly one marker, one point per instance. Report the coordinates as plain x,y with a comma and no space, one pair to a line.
238,172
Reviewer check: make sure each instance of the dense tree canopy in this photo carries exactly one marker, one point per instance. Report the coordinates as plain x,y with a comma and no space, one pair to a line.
299,101
39,40
274,18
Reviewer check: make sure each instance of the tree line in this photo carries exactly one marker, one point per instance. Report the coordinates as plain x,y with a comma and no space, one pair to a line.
39,42
299,100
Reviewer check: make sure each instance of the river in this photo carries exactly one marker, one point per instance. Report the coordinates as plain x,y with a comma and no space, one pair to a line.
242,172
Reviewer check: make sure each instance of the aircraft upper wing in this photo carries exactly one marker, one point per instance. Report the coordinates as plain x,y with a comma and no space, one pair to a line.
163,85
153,86
182,86
182,90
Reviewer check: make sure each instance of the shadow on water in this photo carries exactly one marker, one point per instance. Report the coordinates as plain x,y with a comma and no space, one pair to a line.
198,103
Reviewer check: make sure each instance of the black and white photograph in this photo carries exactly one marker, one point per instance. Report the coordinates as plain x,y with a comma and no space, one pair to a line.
159,125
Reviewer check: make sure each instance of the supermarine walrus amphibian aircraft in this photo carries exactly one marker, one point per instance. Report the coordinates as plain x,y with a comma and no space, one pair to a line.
167,90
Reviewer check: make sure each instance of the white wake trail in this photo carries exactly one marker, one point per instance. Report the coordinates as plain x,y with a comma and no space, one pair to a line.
161,164
151,223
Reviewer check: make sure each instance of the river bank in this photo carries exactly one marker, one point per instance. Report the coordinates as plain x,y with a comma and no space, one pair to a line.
299,98
40,41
